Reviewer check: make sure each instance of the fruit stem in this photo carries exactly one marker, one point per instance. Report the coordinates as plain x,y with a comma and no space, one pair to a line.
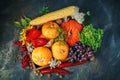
62,51
69,33
51,25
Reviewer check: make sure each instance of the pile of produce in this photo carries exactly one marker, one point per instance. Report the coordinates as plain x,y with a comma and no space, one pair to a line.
51,46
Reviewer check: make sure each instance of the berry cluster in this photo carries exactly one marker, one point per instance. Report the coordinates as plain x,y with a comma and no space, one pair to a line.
80,52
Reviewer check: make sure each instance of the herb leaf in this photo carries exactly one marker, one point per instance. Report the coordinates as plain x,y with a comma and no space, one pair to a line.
61,37
23,22
43,10
17,24
27,19
88,13
91,36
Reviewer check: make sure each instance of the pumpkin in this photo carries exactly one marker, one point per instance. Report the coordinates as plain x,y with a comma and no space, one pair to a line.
60,50
71,29
41,56
50,30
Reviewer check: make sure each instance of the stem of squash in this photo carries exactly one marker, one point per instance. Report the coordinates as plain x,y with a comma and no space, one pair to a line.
69,33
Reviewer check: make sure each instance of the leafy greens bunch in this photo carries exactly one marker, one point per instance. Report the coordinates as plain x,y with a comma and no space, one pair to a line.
91,36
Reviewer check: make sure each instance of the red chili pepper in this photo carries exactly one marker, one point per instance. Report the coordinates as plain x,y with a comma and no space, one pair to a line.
55,70
18,43
69,64
23,49
25,61
33,33
39,42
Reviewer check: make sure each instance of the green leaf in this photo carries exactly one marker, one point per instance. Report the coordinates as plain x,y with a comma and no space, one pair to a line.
60,29
61,36
43,10
27,19
23,22
17,24
91,36
88,13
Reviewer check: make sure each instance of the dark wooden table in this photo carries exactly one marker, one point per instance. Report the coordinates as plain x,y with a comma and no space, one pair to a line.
105,14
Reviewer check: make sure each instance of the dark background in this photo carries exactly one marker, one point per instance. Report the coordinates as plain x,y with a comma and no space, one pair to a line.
105,14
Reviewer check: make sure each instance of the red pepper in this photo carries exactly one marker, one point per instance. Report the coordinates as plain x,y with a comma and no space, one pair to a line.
39,42
23,49
55,70
33,33
18,43
69,64
25,61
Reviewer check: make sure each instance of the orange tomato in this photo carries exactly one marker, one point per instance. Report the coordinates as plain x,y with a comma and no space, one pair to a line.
50,30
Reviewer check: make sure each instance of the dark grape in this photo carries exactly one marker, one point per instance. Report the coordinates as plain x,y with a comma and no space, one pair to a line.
88,49
80,47
80,60
84,58
84,46
70,54
90,52
71,49
75,53
84,51
76,44
74,57
79,43
79,55
72,60
76,47
80,52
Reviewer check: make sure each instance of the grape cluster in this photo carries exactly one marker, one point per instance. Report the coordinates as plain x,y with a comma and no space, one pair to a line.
80,52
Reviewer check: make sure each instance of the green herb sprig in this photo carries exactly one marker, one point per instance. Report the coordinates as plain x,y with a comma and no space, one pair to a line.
43,10
61,36
23,22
